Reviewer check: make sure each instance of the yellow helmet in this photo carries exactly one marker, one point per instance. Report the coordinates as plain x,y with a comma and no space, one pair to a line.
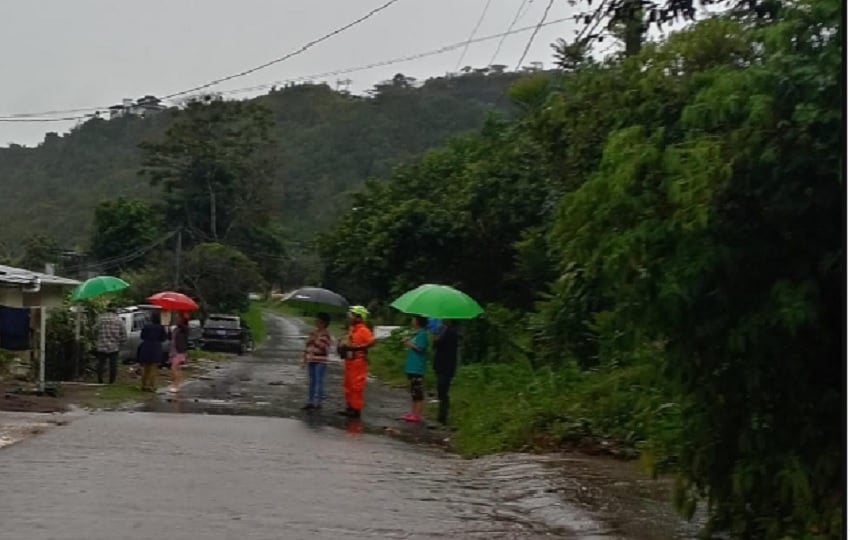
360,311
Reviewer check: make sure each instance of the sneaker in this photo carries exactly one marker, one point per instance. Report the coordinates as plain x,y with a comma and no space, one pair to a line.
307,407
173,389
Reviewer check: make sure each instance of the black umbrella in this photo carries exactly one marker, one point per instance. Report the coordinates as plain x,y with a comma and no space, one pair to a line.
315,299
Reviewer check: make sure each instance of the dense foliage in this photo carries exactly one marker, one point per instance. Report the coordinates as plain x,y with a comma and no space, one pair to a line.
676,215
328,142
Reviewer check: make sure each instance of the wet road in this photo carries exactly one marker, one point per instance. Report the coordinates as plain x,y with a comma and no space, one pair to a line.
243,472
272,382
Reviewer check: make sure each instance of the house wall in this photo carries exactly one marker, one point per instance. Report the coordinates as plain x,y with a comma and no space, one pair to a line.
11,297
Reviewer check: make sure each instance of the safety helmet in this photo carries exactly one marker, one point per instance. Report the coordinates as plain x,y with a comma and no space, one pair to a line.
360,311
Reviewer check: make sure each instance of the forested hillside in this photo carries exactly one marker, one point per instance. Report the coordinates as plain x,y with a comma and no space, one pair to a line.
326,144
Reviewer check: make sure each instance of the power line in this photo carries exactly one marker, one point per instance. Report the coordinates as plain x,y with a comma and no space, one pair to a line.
534,34
435,52
300,50
511,27
472,35
119,260
296,52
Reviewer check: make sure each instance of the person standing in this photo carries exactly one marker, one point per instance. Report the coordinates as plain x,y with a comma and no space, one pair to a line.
445,365
150,352
355,360
414,366
179,349
316,359
111,333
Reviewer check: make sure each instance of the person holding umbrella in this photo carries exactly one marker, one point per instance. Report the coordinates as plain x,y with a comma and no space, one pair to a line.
355,363
445,364
179,349
414,366
110,335
150,352
316,359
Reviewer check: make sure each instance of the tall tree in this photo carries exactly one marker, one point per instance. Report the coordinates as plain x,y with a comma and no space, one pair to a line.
215,165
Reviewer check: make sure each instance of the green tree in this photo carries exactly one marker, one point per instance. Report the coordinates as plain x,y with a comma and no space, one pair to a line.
122,226
714,235
39,250
220,278
214,166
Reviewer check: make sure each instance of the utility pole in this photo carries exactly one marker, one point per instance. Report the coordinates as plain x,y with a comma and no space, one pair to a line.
178,251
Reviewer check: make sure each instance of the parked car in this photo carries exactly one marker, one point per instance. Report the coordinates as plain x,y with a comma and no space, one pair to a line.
227,332
135,318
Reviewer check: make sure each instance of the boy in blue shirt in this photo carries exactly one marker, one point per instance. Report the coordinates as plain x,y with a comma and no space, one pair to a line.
414,365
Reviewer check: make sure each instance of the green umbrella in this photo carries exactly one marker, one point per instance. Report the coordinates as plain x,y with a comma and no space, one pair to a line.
97,286
439,302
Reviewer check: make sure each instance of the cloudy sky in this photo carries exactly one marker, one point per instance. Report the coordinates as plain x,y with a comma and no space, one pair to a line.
69,54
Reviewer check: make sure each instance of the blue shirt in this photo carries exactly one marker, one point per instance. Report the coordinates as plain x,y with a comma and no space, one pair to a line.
415,361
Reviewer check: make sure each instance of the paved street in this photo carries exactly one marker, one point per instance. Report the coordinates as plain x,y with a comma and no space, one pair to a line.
232,457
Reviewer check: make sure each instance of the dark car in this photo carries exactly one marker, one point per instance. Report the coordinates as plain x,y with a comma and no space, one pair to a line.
226,332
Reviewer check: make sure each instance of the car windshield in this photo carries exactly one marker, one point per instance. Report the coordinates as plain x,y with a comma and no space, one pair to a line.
216,322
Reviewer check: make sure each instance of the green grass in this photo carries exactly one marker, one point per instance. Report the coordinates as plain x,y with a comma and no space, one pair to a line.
117,394
254,318
510,406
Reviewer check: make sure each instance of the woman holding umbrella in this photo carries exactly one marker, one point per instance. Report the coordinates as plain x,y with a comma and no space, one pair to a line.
179,349
150,352
175,301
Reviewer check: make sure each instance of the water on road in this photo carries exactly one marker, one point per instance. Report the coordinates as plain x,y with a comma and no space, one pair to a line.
247,463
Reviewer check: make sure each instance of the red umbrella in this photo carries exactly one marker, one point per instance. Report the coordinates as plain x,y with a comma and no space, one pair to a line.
173,301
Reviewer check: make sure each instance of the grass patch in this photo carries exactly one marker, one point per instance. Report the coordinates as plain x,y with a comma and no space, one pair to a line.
254,318
512,406
104,397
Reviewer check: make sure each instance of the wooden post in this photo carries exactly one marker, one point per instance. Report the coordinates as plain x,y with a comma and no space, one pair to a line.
78,349
42,346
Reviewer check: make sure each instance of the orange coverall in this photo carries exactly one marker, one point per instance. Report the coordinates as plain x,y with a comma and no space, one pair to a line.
356,366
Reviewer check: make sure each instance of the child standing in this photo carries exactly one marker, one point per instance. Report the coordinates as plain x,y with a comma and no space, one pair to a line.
316,358
414,366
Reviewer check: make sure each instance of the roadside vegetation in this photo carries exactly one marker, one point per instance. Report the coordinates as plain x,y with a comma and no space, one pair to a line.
254,318
657,242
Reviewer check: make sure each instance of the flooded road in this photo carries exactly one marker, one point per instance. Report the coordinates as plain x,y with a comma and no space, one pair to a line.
249,464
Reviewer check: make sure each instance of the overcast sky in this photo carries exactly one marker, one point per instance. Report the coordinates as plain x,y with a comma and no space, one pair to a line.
68,54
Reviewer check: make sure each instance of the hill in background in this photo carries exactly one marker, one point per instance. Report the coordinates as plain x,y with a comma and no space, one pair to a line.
330,143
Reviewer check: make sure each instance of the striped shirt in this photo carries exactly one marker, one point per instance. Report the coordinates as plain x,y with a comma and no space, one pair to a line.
317,347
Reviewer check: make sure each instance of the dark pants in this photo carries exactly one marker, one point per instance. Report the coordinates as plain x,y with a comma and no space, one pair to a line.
444,381
102,358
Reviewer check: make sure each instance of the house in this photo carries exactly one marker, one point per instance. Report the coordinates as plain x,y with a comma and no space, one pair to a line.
148,105
144,106
36,292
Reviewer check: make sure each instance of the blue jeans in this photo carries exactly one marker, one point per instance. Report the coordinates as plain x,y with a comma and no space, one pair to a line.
316,373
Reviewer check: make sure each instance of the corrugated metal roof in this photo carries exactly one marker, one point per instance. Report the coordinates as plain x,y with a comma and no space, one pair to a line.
20,276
